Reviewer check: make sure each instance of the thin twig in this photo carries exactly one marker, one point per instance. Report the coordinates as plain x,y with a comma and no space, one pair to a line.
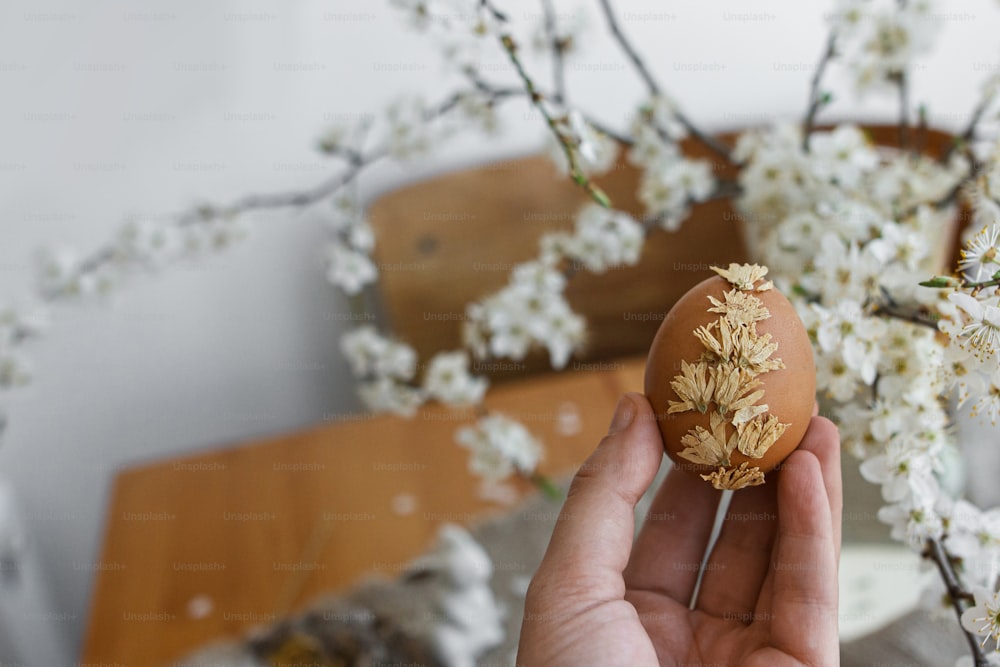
969,133
903,87
707,140
950,197
492,9
537,99
936,552
485,86
557,47
920,317
817,100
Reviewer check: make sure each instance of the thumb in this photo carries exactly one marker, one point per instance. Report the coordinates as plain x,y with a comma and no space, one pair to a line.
592,539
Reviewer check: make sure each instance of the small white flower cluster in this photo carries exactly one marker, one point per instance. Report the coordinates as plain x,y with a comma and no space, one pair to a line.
595,151
532,310
851,230
141,245
387,370
971,317
500,447
384,368
880,39
17,325
448,380
602,239
348,255
670,182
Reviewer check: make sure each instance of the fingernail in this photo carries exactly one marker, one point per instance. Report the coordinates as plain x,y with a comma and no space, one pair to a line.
624,414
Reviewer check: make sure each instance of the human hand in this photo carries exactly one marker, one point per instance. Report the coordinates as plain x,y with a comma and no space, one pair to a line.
769,591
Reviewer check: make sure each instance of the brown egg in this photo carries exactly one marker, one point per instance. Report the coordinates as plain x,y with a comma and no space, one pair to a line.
725,396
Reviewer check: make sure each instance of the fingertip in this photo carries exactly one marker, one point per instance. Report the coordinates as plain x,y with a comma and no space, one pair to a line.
629,456
802,497
822,433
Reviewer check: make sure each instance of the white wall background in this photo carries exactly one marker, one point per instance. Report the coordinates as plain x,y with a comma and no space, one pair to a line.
245,344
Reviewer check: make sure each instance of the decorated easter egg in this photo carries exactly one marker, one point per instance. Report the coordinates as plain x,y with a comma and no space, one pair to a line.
731,378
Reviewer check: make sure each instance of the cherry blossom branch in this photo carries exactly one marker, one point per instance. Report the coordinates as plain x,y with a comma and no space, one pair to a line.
558,52
959,597
484,86
817,100
707,140
357,162
537,100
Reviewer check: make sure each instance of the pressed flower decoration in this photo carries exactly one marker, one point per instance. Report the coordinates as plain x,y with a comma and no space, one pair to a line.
851,230
723,382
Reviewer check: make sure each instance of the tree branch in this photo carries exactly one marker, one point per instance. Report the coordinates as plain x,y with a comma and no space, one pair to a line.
903,86
357,161
707,140
816,100
537,99
557,47
936,552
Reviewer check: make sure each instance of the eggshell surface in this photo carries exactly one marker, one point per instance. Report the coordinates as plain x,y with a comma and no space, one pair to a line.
788,391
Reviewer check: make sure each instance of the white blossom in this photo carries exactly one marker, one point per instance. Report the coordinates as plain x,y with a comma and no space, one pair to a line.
974,536
895,469
500,446
530,311
59,271
15,371
983,618
213,235
595,151
980,326
349,269
845,330
979,256
656,131
879,39
385,394
371,354
913,521
605,239
448,380
669,187
18,324
843,156
149,242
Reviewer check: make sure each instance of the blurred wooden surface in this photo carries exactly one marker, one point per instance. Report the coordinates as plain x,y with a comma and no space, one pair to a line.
454,239
206,547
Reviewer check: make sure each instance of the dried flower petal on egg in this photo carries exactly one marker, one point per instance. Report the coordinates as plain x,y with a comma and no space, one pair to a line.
745,391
